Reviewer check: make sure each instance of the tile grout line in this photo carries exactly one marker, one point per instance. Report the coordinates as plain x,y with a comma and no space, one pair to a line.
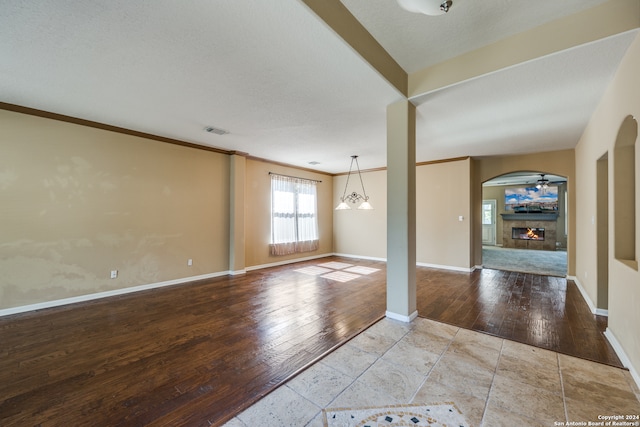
493,379
426,378
308,400
378,358
564,398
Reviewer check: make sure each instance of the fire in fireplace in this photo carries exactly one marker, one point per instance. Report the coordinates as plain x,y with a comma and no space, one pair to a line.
527,233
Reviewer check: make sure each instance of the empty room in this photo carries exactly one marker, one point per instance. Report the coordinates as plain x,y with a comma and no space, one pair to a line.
319,213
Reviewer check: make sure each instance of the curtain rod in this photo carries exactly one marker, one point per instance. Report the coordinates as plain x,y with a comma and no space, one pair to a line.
294,177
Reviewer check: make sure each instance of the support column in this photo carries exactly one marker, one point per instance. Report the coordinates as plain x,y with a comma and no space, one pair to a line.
237,173
401,211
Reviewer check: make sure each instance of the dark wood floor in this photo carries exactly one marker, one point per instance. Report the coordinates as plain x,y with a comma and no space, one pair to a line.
197,354
544,311
183,355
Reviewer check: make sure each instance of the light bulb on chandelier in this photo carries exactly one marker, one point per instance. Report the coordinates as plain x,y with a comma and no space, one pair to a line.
542,183
354,197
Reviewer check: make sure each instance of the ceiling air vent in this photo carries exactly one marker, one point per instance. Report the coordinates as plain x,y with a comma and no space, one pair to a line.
217,131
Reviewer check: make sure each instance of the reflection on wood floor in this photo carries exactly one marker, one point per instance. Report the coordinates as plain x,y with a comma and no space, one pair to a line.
543,311
196,354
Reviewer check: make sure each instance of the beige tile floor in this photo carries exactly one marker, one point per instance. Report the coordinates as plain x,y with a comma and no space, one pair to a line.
494,382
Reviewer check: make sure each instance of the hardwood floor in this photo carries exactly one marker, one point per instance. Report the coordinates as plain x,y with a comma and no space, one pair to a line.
543,311
197,354
184,355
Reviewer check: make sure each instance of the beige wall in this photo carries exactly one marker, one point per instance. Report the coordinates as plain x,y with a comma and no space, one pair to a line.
360,232
258,212
621,99
443,194
77,202
496,193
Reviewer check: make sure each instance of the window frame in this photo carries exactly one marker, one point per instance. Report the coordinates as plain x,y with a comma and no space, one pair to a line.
293,238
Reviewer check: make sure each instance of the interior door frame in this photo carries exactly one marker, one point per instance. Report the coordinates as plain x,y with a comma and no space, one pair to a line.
494,207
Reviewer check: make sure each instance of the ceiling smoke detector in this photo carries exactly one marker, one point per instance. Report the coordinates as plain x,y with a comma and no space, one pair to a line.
217,131
427,7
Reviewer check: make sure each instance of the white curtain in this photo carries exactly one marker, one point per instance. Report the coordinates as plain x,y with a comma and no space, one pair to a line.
294,220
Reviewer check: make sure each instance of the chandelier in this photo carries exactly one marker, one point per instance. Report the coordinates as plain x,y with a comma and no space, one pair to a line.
354,197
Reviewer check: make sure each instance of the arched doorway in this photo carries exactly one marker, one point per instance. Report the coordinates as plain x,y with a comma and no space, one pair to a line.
531,226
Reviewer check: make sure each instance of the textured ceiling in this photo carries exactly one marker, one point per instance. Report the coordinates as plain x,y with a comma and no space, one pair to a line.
286,86
269,72
541,105
418,41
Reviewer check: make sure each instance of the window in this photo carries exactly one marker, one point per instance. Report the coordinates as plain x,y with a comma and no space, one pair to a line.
487,214
294,218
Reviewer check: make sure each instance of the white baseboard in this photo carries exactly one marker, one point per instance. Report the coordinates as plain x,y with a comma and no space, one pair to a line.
584,294
622,355
446,267
402,317
370,258
106,294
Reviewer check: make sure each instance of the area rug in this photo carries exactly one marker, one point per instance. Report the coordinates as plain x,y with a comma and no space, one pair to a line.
434,415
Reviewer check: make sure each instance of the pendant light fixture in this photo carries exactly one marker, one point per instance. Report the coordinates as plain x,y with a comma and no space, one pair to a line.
354,197
427,7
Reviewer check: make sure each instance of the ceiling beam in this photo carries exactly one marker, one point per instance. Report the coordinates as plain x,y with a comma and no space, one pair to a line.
608,19
345,25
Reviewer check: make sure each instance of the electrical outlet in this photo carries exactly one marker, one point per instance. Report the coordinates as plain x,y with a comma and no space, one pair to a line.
114,274
190,262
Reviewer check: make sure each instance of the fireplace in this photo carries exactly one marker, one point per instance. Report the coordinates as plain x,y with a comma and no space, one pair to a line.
530,230
527,233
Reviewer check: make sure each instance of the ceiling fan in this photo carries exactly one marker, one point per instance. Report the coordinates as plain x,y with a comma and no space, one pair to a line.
542,183
427,7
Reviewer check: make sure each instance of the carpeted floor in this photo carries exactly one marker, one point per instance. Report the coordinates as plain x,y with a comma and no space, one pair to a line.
548,263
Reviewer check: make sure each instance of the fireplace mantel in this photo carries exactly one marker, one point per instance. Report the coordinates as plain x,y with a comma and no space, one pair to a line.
551,216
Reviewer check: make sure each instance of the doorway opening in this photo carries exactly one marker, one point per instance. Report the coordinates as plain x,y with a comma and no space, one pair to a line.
530,223
489,222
